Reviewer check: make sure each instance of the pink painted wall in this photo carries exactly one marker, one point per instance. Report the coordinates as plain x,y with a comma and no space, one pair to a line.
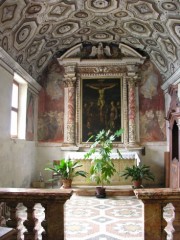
151,105
51,105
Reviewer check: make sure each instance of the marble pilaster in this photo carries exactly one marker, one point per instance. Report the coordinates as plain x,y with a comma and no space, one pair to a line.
69,106
132,111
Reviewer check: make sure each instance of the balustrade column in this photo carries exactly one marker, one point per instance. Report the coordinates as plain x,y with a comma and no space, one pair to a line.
30,222
12,221
69,108
53,201
132,111
161,213
125,111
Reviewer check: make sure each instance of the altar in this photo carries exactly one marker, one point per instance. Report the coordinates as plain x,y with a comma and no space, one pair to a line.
128,159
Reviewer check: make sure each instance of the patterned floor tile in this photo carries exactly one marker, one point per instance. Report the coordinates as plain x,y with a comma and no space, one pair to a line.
113,218
103,237
102,219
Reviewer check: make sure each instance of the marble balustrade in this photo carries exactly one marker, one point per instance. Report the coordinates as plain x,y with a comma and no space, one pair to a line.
161,213
52,200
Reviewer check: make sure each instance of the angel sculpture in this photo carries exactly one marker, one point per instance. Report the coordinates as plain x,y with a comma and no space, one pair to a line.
100,51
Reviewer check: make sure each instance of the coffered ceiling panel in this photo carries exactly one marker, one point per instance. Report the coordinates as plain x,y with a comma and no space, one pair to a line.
33,32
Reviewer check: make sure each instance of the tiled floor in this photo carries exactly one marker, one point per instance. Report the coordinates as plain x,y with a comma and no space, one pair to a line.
113,218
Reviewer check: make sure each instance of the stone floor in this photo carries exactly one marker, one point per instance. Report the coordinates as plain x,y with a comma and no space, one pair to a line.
112,218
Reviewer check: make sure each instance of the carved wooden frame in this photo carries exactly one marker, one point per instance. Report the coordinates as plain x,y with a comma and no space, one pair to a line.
100,72
82,80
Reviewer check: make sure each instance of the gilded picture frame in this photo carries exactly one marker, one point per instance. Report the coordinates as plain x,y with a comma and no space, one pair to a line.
101,106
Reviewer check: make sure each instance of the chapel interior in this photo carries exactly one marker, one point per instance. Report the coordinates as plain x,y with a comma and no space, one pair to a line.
86,65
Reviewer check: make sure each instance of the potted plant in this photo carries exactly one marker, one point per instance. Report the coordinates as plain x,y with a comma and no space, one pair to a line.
102,167
137,174
67,170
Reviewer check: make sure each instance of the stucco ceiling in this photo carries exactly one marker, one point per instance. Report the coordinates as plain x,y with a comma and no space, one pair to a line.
33,31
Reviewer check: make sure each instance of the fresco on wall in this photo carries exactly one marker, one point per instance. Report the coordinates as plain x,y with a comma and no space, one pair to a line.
30,116
51,106
151,105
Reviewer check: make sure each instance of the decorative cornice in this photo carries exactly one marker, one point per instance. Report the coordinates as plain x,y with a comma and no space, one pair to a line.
113,69
10,64
174,79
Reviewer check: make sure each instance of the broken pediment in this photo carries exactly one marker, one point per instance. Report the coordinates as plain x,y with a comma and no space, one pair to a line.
101,51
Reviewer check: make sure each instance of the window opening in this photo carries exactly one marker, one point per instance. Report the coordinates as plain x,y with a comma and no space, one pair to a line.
14,109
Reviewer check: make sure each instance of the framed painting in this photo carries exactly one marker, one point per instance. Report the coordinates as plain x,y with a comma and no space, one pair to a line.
101,106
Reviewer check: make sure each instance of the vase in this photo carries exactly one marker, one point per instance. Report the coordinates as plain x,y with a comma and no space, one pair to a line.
137,183
67,183
100,192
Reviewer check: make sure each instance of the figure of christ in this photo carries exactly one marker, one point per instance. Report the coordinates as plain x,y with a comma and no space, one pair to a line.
101,87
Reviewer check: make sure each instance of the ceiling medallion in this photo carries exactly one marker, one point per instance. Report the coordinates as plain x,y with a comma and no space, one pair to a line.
169,6
20,58
8,13
51,43
158,27
33,49
169,47
42,60
101,36
68,41
100,3
23,34
64,29
133,40
160,59
84,31
5,43
34,9
58,10
118,30
120,14
101,21
44,29
137,27
81,14
151,42
143,8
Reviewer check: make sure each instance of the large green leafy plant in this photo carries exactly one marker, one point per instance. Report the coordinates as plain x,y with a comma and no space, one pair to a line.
138,173
102,167
67,169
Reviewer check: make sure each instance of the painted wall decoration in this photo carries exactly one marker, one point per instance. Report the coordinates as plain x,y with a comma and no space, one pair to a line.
151,105
51,106
30,116
101,106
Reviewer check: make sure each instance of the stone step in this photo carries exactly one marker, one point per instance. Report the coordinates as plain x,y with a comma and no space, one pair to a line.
110,190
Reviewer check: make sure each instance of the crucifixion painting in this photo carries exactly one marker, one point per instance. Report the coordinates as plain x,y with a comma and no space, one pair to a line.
101,105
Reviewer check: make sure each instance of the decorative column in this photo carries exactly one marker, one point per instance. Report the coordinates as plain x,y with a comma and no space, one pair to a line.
125,111
69,106
132,111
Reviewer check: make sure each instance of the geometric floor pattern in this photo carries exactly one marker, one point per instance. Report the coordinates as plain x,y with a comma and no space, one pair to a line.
112,218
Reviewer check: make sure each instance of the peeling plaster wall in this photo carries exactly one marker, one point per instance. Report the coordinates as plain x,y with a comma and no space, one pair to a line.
17,158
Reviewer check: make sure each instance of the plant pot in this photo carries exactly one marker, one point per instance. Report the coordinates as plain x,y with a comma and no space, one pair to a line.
66,183
100,192
137,183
